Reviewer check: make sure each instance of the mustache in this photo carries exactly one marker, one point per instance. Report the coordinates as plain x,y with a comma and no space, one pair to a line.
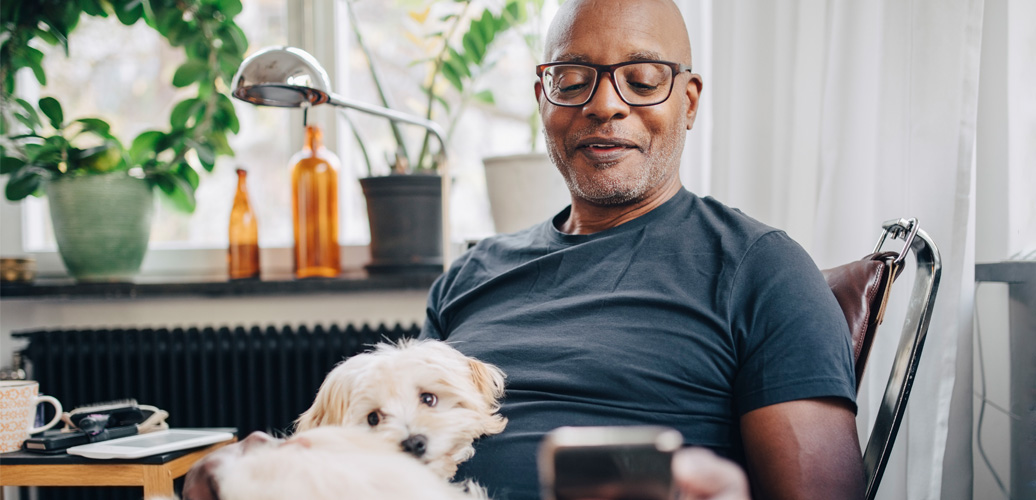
609,129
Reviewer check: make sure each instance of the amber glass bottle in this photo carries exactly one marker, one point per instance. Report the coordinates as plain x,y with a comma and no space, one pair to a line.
314,193
243,252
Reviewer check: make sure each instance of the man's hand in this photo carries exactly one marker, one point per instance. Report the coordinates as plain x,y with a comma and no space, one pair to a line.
700,474
806,449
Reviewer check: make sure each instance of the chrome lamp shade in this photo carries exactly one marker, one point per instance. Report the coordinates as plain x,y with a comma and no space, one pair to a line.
282,76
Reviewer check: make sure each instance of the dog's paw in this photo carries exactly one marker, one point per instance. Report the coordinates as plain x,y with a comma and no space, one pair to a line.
473,490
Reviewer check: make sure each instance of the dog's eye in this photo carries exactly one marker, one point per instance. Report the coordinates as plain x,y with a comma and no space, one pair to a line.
429,399
373,418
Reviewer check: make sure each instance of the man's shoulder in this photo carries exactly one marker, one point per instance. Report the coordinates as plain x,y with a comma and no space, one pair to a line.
719,225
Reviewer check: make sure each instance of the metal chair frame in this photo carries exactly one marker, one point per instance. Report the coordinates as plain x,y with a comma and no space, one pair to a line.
911,341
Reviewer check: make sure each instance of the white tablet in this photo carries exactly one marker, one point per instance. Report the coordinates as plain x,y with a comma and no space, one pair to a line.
152,443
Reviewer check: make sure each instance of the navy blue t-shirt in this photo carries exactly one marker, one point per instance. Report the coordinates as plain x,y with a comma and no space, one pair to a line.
688,316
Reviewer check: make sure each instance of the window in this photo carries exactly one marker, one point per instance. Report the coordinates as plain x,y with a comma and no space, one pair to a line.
122,74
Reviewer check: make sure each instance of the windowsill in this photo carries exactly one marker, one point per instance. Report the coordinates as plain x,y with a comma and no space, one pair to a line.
171,287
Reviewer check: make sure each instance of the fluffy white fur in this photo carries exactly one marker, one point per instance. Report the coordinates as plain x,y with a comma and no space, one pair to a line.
397,383
329,463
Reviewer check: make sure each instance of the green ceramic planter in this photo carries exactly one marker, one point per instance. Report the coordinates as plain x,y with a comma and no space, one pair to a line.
102,224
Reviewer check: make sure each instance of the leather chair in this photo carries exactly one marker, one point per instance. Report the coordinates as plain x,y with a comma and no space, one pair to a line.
862,289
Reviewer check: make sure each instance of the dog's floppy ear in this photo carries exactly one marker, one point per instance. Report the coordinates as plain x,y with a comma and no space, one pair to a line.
330,405
489,380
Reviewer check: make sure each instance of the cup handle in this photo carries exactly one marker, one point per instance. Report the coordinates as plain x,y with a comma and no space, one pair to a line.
57,413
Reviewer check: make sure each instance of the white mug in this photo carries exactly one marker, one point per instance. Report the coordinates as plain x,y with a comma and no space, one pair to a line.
18,401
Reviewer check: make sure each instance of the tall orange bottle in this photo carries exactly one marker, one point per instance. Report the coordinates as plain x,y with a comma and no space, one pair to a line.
314,193
243,251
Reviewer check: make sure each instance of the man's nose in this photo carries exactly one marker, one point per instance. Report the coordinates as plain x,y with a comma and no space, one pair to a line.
606,104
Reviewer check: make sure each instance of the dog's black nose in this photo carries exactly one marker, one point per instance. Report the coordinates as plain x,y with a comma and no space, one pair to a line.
415,445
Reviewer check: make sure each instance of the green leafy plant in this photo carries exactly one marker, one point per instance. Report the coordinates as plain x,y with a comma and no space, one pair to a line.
40,143
459,46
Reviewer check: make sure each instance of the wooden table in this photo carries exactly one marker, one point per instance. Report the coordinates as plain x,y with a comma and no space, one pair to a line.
155,473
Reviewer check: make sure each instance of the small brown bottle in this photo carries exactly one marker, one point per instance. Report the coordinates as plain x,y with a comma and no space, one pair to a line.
314,193
243,252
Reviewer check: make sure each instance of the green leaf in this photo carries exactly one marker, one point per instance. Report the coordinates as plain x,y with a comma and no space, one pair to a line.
485,96
52,108
226,114
460,64
487,28
218,142
130,13
230,8
474,45
9,164
167,19
451,75
188,174
183,112
95,125
190,72
93,8
205,153
229,63
30,118
33,59
234,40
58,34
24,182
513,14
25,121
145,146
178,190
198,49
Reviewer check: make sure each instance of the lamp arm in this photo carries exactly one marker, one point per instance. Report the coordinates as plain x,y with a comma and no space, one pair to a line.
391,114
434,129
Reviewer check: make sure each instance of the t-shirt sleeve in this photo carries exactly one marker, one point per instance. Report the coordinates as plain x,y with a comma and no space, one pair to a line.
790,335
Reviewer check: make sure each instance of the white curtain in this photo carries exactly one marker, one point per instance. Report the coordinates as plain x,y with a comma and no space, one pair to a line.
826,118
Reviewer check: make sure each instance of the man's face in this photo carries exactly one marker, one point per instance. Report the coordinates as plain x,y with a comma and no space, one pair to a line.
611,153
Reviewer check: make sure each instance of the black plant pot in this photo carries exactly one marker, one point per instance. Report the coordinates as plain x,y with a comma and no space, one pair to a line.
405,216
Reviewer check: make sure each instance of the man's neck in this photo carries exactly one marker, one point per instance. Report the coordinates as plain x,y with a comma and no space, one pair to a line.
588,218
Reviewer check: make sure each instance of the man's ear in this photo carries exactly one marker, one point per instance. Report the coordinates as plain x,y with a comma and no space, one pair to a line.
538,89
693,95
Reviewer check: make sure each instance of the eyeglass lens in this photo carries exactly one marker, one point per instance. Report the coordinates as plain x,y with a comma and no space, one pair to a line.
640,84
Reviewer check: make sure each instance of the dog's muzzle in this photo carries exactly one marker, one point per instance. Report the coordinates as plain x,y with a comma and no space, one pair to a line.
415,445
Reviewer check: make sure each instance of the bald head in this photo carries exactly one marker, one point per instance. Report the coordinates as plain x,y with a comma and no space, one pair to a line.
588,18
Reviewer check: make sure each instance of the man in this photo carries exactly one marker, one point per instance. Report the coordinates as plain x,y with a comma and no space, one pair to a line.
642,303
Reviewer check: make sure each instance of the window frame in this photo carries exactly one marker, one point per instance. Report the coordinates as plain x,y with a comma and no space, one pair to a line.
311,26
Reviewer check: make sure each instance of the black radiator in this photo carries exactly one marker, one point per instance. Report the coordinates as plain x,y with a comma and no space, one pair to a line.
251,379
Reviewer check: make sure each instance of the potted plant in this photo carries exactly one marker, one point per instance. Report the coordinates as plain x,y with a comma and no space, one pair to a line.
100,191
404,207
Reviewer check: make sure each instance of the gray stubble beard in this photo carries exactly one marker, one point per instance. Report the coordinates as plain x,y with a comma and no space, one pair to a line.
606,191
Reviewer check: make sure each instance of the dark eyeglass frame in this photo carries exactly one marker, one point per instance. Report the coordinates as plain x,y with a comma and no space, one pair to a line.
601,69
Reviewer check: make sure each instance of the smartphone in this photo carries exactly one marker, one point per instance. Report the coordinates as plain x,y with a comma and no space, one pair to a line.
608,463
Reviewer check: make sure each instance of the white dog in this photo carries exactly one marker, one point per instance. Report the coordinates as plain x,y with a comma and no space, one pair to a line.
424,396
325,463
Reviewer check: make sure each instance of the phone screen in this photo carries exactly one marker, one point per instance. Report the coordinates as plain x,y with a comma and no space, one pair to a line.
619,464
613,473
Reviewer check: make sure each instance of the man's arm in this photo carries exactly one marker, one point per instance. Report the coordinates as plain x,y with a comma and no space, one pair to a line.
805,449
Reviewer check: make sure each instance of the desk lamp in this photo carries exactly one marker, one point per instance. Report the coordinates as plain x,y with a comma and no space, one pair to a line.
289,77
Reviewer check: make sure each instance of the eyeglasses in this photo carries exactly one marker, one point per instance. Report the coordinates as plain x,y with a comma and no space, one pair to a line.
638,83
